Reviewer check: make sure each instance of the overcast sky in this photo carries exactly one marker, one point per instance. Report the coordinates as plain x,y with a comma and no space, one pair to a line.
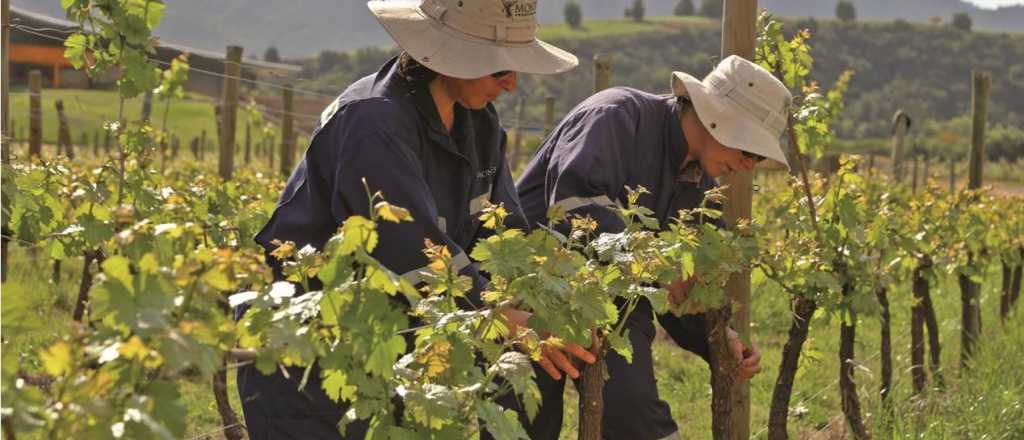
996,3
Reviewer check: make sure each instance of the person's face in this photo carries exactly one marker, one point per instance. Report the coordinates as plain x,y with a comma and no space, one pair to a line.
476,93
715,159
718,160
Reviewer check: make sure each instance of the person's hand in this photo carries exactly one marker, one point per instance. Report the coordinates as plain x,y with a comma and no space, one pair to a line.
555,355
680,289
749,359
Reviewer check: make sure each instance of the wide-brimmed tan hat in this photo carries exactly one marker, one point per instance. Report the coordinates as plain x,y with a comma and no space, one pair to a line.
471,38
741,104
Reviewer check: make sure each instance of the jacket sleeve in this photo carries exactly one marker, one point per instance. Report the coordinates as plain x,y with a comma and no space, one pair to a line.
688,331
378,158
589,166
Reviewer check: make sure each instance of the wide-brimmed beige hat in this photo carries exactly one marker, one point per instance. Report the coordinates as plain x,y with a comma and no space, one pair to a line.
741,104
471,38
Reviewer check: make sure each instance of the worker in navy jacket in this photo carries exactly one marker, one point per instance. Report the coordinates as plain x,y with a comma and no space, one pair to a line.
423,132
674,146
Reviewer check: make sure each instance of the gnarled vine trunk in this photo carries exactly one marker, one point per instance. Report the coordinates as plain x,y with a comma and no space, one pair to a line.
919,285
882,294
723,372
803,310
847,367
592,397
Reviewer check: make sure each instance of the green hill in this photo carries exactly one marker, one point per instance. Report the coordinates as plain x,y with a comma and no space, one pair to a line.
923,69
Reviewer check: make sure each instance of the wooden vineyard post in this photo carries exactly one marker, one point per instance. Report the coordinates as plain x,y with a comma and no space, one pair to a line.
106,140
602,72
63,132
229,112
287,135
5,148
900,127
730,405
35,114
926,174
5,134
147,105
248,143
95,144
913,184
202,145
517,150
969,290
549,114
952,174
592,378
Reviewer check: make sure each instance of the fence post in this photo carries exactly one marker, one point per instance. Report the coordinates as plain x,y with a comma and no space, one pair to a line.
731,410
927,162
147,105
602,71
549,114
913,184
287,134
63,132
202,144
248,142
900,127
5,148
232,70
35,113
517,151
969,290
952,174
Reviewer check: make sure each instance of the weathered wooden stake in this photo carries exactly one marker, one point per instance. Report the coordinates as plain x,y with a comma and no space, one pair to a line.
952,174
248,143
95,144
913,185
900,127
287,133
602,72
63,132
229,112
7,129
147,105
732,421
549,114
35,113
202,144
969,290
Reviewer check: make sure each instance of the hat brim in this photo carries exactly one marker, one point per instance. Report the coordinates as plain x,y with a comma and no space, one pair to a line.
450,53
726,121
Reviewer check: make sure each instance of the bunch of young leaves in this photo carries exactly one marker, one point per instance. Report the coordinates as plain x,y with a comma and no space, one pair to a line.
813,111
116,33
155,315
972,220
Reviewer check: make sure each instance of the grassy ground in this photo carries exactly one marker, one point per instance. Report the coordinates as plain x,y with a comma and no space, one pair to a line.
86,111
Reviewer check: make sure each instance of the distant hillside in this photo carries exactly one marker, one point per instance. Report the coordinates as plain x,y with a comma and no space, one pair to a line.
922,69
300,28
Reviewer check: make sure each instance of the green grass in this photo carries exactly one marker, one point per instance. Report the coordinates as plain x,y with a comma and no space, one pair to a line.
86,111
621,27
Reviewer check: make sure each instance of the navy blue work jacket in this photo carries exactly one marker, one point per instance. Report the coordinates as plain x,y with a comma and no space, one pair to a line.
618,137
387,130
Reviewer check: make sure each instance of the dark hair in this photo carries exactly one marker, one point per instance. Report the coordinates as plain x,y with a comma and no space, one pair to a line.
412,71
684,103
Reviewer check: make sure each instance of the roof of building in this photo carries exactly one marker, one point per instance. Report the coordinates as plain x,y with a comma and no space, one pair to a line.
54,27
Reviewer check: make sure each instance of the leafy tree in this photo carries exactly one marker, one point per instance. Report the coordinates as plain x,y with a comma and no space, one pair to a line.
573,14
684,7
636,12
330,60
962,21
711,8
845,11
271,55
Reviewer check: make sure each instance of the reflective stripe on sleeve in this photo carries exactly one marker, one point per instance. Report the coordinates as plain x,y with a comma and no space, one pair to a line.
578,202
477,205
